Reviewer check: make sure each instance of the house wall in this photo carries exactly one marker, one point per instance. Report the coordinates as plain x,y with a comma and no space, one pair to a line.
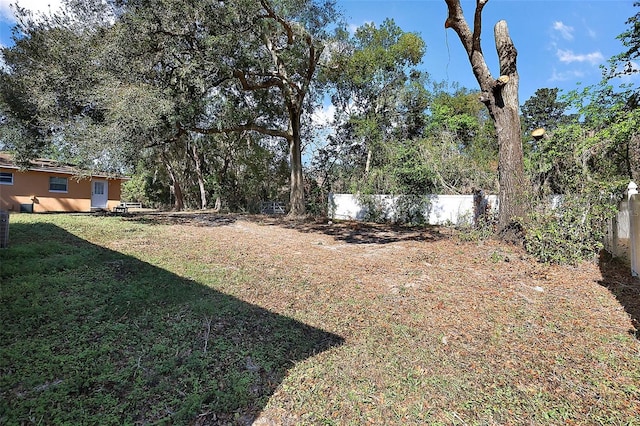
32,187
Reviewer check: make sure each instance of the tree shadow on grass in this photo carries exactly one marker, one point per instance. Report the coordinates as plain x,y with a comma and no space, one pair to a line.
181,218
92,336
352,232
616,277
355,232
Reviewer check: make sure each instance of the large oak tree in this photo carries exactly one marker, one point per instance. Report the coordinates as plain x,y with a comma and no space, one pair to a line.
273,64
156,72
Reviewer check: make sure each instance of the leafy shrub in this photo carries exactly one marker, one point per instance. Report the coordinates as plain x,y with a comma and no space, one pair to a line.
483,228
411,209
403,209
573,231
374,207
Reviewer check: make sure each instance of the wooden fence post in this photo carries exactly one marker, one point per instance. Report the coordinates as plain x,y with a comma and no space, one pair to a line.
634,227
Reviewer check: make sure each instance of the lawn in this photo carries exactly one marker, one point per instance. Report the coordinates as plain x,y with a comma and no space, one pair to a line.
207,319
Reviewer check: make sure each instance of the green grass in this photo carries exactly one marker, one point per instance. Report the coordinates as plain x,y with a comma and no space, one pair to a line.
109,320
93,336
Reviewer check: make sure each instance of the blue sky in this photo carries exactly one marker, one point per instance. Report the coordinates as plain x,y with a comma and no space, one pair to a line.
560,43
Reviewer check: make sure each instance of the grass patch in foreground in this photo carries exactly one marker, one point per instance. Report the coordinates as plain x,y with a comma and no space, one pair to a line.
93,336
434,330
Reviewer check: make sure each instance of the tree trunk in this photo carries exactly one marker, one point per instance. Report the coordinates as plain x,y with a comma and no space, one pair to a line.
513,188
501,98
200,176
177,190
295,157
512,195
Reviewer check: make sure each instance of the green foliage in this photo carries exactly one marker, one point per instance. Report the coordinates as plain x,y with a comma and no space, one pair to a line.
573,231
402,209
544,110
104,84
375,208
481,229
411,210
622,64
146,187
381,101
448,147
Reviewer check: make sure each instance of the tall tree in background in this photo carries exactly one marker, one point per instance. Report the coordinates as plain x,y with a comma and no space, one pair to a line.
274,67
51,84
370,76
155,73
544,110
624,64
459,142
500,95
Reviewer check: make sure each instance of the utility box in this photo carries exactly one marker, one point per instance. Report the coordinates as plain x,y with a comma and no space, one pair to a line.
4,229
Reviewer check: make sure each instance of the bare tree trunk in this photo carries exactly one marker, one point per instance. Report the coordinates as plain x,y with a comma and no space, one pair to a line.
177,189
513,187
295,157
218,205
501,98
200,176
367,166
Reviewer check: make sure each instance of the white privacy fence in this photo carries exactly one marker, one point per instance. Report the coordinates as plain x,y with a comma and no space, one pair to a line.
435,209
622,240
623,234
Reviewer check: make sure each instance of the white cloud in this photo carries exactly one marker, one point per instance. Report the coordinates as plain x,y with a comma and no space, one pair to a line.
567,56
35,5
565,31
565,75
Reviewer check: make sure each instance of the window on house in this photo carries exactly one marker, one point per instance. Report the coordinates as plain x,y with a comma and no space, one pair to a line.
6,178
58,184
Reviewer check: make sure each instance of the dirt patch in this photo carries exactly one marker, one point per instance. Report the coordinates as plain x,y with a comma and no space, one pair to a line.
383,258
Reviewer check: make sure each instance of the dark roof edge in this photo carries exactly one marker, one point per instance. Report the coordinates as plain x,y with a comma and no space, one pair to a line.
52,166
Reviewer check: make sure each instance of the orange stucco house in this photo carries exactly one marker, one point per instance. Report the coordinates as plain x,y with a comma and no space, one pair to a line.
47,186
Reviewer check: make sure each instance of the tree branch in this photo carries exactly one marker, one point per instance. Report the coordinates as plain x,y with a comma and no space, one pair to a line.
273,15
471,41
477,25
456,21
507,52
241,128
247,85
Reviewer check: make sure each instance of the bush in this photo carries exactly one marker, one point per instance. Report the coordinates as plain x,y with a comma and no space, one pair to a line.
480,229
375,209
411,209
402,209
573,231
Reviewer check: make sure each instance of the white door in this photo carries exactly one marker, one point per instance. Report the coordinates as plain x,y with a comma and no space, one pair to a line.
99,194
